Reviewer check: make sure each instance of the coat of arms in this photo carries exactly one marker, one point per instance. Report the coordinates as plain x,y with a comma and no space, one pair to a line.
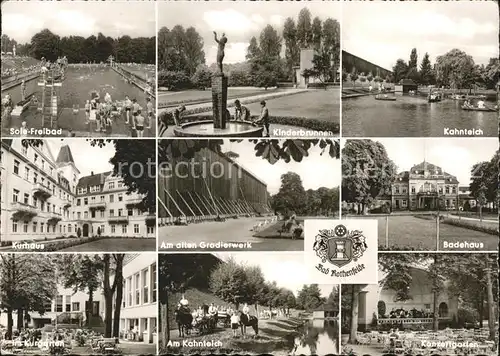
339,246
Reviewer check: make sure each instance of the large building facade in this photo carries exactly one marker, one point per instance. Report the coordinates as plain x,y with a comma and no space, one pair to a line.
424,187
209,185
45,197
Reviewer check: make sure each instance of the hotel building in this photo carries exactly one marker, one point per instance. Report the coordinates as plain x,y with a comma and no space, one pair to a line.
139,309
424,187
43,197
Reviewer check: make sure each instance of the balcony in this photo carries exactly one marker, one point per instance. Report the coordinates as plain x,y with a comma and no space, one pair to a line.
54,218
67,203
150,219
41,191
98,205
118,219
23,211
132,202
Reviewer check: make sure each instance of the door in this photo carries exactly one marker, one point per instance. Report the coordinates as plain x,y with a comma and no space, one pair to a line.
85,230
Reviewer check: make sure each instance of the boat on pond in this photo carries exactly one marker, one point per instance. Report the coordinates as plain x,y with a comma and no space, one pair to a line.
385,97
434,97
467,108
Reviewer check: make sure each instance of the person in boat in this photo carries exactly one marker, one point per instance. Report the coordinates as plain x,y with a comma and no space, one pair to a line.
480,104
386,96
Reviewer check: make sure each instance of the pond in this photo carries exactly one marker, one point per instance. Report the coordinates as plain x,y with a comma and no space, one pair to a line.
317,337
412,116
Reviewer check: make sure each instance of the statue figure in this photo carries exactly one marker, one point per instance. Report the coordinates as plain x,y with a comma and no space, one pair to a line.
220,52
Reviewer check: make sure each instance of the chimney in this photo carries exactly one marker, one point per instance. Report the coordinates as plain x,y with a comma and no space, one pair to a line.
92,173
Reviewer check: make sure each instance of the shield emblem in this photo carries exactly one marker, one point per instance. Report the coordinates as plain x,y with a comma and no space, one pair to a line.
339,251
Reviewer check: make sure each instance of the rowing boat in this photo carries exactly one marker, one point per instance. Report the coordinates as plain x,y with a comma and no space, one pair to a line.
389,98
478,109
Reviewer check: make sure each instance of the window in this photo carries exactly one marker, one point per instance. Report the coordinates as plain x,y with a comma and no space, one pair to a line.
153,282
454,189
124,229
59,304
34,226
85,214
137,290
42,226
68,303
47,307
111,212
130,212
26,198
35,158
120,212
79,215
69,228
75,306
397,189
151,229
15,195
54,229
48,228
78,202
92,199
447,189
102,198
129,296
85,201
51,171
124,304
136,228
14,225
113,229
404,203
43,164
26,173
24,150
111,185
120,197
120,184
111,198
145,286
102,229
92,214
101,213
16,167
35,177
25,226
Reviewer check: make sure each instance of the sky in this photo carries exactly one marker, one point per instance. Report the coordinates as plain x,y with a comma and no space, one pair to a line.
382,32
455,156
21,20
240,21
287,269
271,174
87,158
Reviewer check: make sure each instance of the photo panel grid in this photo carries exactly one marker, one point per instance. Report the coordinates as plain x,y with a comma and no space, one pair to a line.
249,69
78,195
437,80
221,303
244,195
424,303
79,304
77,72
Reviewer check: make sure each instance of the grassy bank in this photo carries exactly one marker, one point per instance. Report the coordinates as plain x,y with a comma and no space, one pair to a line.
486,226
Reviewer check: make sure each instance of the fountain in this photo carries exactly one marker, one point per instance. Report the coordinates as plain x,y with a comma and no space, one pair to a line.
220,125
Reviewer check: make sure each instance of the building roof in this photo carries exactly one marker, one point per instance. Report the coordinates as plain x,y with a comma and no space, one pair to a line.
326,307
93,180
426,166
402,177
65,155
407,82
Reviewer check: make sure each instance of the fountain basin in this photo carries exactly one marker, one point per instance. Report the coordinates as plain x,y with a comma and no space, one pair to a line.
205,128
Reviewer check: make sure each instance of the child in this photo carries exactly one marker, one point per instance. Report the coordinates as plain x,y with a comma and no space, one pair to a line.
139,124
128,107
87,111
235,323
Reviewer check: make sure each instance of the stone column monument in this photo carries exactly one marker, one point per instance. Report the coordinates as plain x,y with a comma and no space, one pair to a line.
219,87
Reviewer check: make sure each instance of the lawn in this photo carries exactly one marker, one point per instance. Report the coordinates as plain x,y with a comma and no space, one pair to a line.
193,96
315,104
408,232
115,245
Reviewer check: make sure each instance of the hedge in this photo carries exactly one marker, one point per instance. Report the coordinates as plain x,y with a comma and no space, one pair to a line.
59,245
472,225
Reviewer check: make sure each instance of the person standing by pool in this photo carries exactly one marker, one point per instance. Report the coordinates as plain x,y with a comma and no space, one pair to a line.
150,108
241,113
264,117
87,111
139,124
135,108
128,107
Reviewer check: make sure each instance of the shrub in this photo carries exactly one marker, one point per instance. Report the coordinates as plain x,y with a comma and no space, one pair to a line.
239,78
467,316
202,78
472,225
174,80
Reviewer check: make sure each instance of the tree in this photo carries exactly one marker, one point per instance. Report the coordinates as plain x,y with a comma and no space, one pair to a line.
400,70
317,33
456,69
202,77
229,282
265,63
304,29
322,67
290,197
253,50
369,77
490,73
309,297
354,76
331,45
81,273
193,50
412,63
111,266
426,72
45,44
118,260
292,51
28,283
367,172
